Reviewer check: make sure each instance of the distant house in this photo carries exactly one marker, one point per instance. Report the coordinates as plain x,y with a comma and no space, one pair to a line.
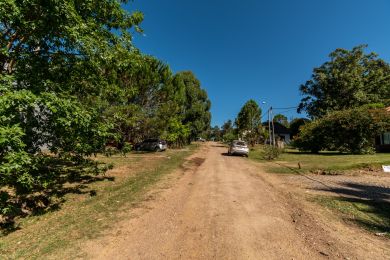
382,142
282,133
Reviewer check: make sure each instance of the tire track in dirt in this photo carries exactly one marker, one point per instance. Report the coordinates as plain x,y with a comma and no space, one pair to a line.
220,207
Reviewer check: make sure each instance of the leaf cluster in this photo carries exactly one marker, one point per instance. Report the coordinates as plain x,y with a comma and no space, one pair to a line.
353,131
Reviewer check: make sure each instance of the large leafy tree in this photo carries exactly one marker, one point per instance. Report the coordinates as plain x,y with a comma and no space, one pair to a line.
57,59
248,121
71,79
137,108
228,131
296,124
352,130
59,64
350,79
249,117
197,106
227,127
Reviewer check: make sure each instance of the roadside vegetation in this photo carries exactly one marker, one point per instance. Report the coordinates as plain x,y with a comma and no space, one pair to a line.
96,205
294,161
373,215
72,84
365,204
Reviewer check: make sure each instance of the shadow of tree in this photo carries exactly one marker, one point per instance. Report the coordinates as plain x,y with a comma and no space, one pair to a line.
227,154
58,177
365,204
318,154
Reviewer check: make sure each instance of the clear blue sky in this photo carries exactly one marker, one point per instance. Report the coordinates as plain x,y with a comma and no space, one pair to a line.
255,48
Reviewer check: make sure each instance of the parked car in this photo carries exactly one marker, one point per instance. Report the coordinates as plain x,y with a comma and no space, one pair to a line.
239,148
156,145
200,139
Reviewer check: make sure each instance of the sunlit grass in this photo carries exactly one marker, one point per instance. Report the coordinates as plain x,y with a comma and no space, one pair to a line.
84,216
372,215
288,161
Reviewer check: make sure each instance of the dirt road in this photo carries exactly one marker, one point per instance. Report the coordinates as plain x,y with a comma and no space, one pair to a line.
222,207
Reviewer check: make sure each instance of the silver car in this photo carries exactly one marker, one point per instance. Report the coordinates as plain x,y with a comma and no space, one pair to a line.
239,148
156,145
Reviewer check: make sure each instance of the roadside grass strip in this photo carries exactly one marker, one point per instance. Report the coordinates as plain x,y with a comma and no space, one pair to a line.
295,162
85,217
373,215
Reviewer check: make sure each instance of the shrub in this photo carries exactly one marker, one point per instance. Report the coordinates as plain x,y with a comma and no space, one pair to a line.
352,130
271,152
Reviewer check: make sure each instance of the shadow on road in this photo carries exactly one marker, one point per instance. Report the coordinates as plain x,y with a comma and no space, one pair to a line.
237,155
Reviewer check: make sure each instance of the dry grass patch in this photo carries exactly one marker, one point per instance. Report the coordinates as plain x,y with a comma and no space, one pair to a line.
85,216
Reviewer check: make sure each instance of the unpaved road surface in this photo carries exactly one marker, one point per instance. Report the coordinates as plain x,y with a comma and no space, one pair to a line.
222,207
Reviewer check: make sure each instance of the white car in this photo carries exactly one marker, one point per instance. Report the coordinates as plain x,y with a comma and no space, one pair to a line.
239,148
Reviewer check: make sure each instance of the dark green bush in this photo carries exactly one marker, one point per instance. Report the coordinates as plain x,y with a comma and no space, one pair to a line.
352,131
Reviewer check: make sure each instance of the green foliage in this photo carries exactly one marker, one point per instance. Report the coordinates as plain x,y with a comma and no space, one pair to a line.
14,161
176,133
71,81
271,152
248,121
249,116
281,119
197,106
227,127
296,124
229,137
350,79
351,130
215,134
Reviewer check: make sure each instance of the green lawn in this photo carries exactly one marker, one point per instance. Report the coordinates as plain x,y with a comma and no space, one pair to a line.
371,215
332,162
83,216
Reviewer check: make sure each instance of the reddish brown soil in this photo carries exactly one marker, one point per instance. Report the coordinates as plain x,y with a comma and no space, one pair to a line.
222,207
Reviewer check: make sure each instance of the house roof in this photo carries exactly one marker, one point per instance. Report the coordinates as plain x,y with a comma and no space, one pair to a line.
279,128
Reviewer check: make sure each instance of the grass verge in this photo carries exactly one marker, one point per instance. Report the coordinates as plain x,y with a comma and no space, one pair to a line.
371,215
85,216
327,162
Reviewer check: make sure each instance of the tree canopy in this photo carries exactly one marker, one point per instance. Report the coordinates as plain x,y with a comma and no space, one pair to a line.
71,81
248,121
352,130
249,116
350,79
281,119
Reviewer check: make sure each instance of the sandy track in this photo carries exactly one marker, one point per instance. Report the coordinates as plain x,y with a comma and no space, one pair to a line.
221,208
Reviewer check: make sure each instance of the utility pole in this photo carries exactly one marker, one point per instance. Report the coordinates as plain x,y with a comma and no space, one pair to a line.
269,125
273,129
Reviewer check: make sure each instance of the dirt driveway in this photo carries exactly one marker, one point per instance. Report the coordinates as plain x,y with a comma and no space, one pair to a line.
222,207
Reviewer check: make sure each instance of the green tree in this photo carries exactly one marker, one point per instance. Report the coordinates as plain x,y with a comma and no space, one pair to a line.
352,130
350,79
58,69
197,105
295,125
227,127
248,120
281,119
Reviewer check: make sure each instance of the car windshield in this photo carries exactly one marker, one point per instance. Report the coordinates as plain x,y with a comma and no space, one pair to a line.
239,143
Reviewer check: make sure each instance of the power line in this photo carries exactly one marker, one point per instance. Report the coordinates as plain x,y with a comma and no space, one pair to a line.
284,111
280,108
